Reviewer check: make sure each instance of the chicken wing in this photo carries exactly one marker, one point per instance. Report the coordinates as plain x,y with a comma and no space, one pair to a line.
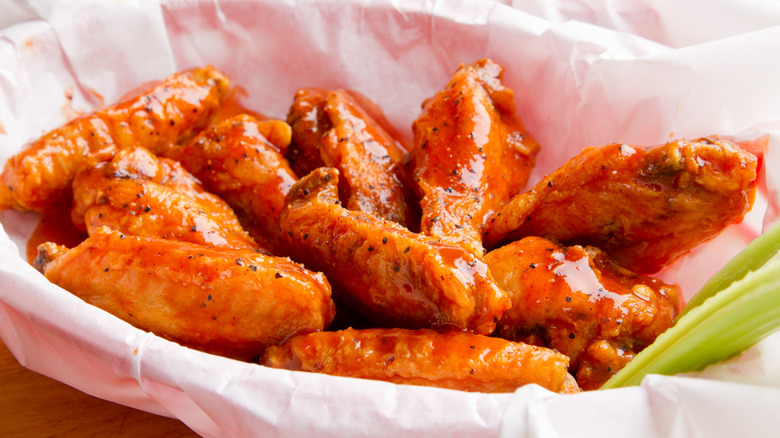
454,360
168,112
645,207
240,160
137,193
576,301
471,155
391,275
330,128
223,301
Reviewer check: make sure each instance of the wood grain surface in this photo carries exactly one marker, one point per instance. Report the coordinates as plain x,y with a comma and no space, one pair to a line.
32,405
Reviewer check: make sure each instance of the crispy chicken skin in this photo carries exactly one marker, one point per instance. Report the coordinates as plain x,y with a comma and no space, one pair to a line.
578,302
240,159
645,207
168,112
391,275
331,129
454,360
137,193
471,154
223,301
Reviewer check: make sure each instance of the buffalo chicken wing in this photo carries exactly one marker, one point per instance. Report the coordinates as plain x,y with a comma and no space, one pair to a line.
137,193
454,360
332,129
393,276
471,154
170,111
577,301
240,159
644,207
223,301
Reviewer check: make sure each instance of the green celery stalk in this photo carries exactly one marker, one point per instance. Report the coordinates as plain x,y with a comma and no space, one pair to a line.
755,255
742,307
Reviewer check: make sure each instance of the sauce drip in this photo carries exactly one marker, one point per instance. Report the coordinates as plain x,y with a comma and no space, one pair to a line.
55,226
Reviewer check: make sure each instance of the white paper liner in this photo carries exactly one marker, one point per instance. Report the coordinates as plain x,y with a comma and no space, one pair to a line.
576,83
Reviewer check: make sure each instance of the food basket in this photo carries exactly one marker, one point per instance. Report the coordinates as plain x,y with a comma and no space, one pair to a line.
584,73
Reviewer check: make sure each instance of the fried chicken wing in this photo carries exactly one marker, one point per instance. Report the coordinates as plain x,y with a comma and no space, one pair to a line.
578,302
454,360
393,276
137,193
168,112
471,155
645,207
331,129
223,301
240,160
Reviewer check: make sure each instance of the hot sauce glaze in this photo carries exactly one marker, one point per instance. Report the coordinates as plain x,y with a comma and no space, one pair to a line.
644,206
171,111
577,301
233,302
450,359
472,154
55,226
240,160
333,129
392,276
378,116
140,194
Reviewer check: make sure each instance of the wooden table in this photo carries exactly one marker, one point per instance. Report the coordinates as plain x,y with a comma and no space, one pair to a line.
32,405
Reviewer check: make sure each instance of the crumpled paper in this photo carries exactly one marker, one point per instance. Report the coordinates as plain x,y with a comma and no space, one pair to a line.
584,73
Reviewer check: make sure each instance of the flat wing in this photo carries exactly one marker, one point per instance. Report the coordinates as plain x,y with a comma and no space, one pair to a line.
393,276
240,159
577,301
223,301
471,154
454,360
645,207
166,112
332,129
138,193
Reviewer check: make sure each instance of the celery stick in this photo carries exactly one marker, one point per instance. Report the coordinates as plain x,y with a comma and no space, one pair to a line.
751,258
724,325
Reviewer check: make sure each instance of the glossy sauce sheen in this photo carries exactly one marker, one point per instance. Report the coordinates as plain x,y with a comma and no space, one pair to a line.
223,301
392,276
138,193
578,302
644,207
330,128
182,266
471,155
169,112
241,160
455,360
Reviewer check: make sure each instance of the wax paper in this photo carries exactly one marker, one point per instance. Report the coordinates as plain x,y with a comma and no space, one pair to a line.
584,73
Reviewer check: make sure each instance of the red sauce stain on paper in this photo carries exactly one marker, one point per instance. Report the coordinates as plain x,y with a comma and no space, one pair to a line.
67,110
98,97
